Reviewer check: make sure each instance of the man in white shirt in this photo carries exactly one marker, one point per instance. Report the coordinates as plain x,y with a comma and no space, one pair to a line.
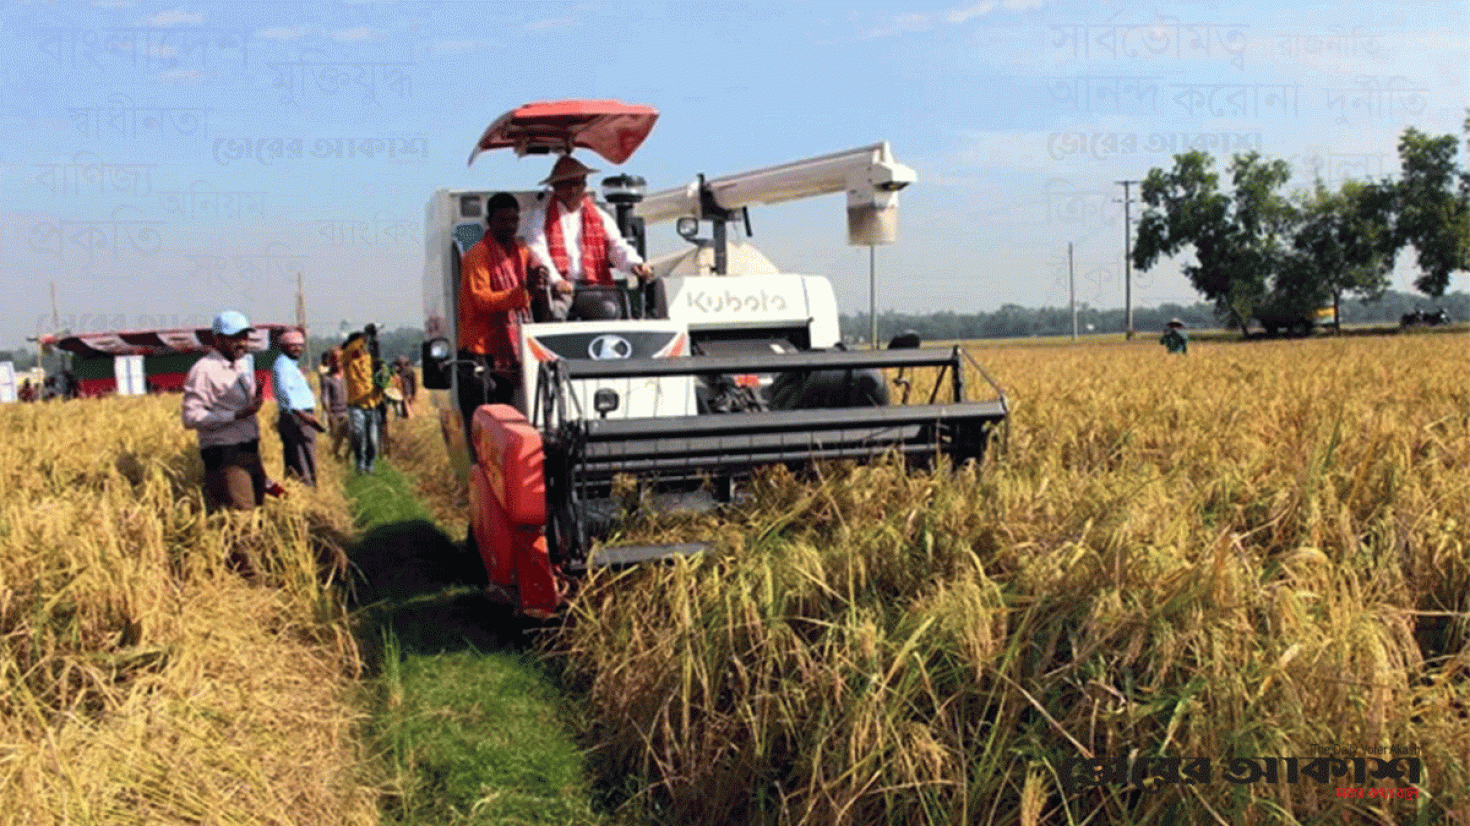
221,399
576,241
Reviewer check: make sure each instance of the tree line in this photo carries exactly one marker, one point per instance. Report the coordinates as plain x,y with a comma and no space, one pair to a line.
1013,321
1255,251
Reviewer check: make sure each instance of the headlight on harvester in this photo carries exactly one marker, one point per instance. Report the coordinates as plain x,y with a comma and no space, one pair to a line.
605,401
436,356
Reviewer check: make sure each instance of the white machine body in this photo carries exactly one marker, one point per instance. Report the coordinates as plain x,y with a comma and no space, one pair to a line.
754,305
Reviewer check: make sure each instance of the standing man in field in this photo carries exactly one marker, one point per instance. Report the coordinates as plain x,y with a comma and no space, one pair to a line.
364,402
296,420
334,398
220,402
1174,337
409,384
574,239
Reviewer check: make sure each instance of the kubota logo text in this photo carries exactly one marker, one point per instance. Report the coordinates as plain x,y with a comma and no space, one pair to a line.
731,302
609,347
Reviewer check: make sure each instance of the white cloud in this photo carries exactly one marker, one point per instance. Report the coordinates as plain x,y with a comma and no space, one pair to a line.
452,46
977,10
1013,151
550,23
902,24
181,76
357,35
149,49
174,17
285,32
912,22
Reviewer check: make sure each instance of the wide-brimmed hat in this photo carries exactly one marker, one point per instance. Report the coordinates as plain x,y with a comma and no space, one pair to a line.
1174,322
232,323
567,168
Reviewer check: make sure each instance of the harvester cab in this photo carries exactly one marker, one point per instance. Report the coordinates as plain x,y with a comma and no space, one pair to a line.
680,386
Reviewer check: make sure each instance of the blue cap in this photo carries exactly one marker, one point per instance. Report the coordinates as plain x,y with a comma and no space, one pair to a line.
231,323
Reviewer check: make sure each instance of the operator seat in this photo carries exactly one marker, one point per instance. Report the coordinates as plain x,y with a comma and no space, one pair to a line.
597,304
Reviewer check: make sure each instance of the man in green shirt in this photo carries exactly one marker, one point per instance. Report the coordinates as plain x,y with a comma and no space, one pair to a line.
1175,338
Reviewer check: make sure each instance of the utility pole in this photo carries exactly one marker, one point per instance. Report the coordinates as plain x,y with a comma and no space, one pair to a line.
301,316
873,294
55,330
1072,290
1128,257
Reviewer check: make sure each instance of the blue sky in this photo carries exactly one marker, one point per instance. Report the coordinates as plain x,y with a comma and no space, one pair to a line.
163,160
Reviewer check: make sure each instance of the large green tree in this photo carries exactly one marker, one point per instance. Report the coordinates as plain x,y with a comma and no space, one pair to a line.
1432,215
1239,239
1342,244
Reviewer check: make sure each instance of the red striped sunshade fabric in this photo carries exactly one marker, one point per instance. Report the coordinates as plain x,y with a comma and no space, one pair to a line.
155,342
610,128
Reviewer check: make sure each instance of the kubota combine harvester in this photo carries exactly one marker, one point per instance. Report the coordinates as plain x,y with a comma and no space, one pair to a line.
717,366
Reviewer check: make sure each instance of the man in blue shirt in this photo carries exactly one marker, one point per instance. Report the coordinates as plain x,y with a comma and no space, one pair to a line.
296,422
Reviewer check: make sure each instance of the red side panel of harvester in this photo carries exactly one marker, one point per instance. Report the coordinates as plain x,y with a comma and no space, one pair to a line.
508,507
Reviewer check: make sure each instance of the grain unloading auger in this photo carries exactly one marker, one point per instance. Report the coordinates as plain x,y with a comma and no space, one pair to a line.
720,366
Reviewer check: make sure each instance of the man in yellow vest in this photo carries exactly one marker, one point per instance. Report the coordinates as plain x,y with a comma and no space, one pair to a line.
364,402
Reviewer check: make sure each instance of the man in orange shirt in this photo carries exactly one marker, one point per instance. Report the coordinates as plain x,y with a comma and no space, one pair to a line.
496,276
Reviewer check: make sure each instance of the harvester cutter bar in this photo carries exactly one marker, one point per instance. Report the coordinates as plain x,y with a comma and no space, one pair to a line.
683,447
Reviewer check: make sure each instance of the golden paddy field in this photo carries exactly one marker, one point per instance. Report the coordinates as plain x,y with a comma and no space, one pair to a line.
1258,550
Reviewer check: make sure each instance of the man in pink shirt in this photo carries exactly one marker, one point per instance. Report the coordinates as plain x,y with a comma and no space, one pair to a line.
220,402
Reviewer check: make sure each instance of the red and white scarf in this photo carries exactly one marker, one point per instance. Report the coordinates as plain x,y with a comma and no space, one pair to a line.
506,272
595,267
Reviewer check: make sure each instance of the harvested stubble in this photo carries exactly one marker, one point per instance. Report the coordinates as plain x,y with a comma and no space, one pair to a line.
1256,550
158,665
418,450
